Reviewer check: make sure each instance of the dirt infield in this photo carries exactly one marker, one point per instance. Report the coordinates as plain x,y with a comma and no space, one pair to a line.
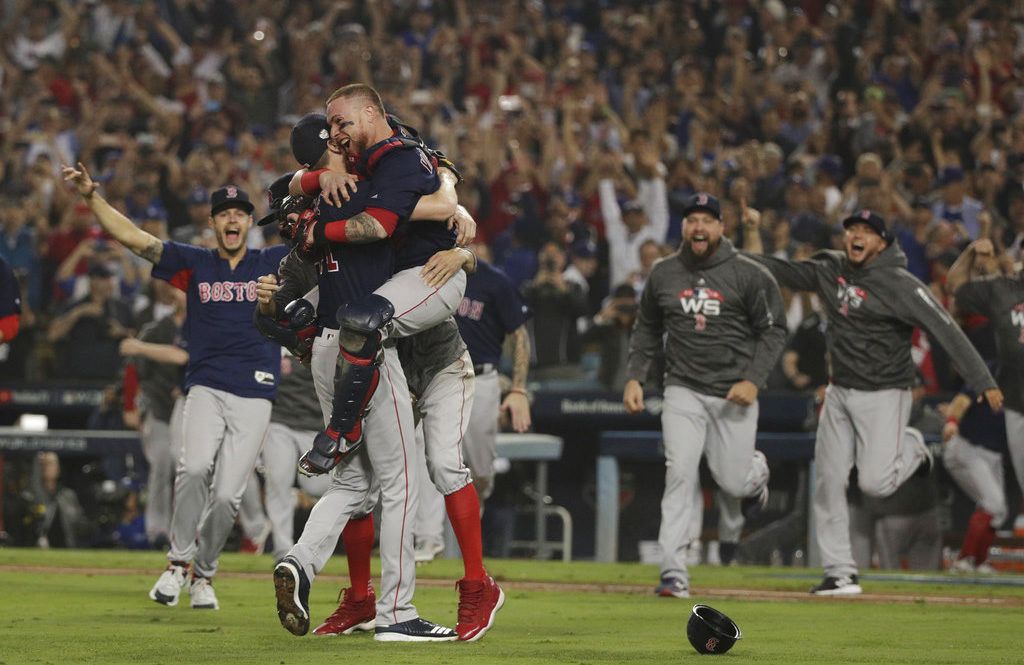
571,587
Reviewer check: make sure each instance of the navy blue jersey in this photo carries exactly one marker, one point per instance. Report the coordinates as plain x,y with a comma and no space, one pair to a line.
491,309
10,294
400,177
349,271
984,428
226,352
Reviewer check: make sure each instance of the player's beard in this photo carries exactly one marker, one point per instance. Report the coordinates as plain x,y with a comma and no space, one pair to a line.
709,252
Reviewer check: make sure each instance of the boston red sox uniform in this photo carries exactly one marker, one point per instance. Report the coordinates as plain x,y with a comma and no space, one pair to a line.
872,310
721,321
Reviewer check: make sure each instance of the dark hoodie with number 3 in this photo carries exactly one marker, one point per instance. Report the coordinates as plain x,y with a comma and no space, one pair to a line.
721,321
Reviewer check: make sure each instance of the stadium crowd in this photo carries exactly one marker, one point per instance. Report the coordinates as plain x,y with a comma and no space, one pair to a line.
580,129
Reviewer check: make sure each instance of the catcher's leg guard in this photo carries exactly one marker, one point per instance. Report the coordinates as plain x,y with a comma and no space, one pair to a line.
355,381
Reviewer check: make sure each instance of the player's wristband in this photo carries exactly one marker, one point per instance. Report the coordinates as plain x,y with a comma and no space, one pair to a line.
519,391
310,182
952,420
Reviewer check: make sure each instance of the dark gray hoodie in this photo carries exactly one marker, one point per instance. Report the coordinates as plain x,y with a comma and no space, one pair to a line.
872,311
721,319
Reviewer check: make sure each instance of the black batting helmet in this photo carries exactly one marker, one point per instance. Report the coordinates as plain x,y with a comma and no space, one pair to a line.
710,631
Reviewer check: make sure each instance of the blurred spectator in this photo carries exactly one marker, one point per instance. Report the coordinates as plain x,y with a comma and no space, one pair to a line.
611,329
556,303
89,330
61,522
955,206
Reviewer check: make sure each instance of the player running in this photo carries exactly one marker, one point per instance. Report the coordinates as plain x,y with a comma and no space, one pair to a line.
719,318
230,380
873,305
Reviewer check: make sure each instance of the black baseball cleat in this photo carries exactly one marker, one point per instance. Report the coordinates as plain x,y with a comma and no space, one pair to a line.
842,585
292,588
414,630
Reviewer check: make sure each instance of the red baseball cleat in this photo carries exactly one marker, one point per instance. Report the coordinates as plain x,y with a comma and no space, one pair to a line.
479,601
351,615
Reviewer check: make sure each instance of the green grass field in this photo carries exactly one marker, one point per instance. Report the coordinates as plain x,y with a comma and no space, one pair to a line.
91,607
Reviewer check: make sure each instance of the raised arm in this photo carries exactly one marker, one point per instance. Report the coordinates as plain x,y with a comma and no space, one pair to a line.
116,224
797,275
916,306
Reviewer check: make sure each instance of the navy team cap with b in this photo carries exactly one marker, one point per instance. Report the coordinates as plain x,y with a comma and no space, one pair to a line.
873,220
230,196
309,139
703,202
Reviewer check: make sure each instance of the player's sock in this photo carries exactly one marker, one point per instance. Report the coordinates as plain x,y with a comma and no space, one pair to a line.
463,509
358,539
986,534
977,528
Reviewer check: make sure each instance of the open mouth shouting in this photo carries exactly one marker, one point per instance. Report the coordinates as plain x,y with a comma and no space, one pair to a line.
699,243
858,251
232,234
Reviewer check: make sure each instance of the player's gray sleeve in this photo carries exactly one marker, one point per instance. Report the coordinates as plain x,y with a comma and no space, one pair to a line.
297,275
796,275
975,297
646,340
768,319
914,304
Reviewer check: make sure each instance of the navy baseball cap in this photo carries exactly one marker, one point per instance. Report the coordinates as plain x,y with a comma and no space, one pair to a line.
230,196
703,202
309,138
872,219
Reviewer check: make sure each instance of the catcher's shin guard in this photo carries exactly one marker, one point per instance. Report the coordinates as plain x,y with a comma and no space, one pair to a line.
355,381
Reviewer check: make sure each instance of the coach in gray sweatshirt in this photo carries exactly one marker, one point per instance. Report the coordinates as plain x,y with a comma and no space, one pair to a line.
873,305
719,316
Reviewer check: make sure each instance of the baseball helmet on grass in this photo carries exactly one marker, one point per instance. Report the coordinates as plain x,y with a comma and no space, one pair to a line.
710,631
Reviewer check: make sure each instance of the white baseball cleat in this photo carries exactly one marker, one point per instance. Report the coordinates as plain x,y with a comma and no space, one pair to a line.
203,596
427,549
964,566
168,586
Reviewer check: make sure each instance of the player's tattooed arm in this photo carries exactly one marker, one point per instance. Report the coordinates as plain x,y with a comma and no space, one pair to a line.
113,221
516,405
520,357
364,227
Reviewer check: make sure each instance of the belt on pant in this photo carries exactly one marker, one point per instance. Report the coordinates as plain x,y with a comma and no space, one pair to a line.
484,368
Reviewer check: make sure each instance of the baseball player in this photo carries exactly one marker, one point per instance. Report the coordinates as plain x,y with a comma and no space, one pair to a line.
399,169
872,304
1001,300
440,375
159,361
294,420
10,303
974,439
491,311
719,317
231,377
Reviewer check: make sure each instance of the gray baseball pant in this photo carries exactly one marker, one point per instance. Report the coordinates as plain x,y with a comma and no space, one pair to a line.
281,454
866,428
388,458
446,407
978,472
156,446
223,434
694,424
1015,441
